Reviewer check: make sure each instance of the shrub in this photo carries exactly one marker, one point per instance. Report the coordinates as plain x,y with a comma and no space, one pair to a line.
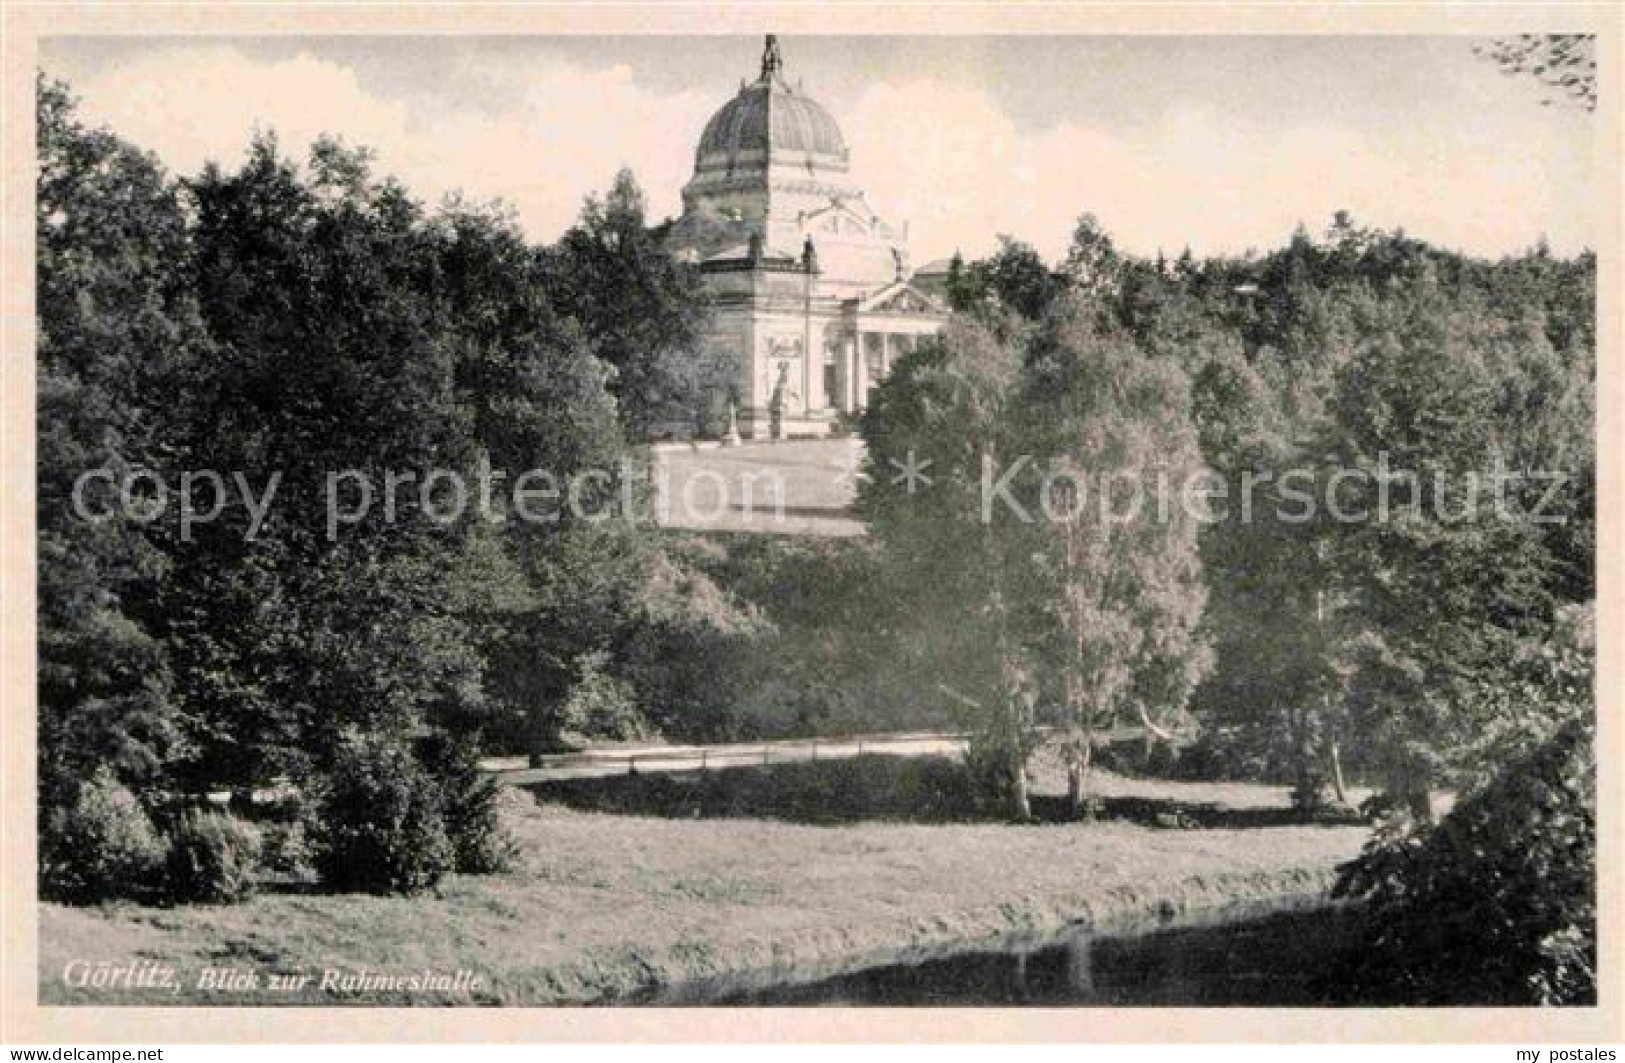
1226,753
691,653
1139,759
214,858
1495,905
378,825
102,845
469,802
601,704
286,849
992,764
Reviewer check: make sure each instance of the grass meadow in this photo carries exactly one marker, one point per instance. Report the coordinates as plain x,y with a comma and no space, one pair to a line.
615,894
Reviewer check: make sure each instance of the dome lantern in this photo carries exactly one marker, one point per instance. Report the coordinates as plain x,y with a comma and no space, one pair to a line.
771,61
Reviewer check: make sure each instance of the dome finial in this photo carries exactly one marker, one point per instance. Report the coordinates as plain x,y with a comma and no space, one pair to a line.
770,58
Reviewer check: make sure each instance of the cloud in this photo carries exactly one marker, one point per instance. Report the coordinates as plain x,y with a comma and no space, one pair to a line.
543,139
949,160
945,158
198,104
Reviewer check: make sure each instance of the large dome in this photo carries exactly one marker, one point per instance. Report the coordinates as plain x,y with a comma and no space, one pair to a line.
768,116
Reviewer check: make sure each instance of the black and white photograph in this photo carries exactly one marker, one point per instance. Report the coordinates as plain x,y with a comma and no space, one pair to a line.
798,519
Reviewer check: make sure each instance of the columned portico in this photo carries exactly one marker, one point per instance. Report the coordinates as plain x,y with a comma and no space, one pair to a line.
887,326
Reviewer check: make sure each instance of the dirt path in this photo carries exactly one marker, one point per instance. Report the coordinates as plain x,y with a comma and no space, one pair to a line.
624,760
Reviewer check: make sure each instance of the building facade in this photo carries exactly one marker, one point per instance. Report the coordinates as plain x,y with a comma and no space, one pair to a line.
811,296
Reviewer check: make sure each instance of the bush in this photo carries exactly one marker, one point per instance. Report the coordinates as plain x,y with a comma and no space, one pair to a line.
992,764
601,705
876,786
101,846
469,804
378,825
286,850
1139,759
1224,754
214,858
1495,905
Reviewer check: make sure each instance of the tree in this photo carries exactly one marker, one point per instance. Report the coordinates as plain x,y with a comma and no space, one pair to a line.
1438,404
945,410
269,329
1065,595
364,339
1273,698
539,402
643,311
1092,266
961,288
333,362
1122,575
1014,279
117,329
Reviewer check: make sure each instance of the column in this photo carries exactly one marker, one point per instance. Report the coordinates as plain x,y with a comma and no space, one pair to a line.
812,380
856,400
876,341
849,381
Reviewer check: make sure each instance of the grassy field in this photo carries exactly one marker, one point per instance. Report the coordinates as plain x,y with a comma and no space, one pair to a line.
608,903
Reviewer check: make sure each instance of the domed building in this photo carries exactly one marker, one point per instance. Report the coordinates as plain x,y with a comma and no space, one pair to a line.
810,287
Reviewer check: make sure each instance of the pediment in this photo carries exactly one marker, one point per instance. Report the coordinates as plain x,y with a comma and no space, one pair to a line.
900,297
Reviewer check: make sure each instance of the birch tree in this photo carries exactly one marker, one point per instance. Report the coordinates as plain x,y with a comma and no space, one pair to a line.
944,412
1116,458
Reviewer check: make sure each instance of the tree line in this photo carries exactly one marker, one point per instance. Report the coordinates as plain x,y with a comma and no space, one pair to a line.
297,319
1441,642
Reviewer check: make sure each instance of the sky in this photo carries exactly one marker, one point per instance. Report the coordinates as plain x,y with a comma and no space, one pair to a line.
1217,143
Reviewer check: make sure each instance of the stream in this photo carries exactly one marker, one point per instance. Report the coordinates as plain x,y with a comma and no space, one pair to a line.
1255,954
